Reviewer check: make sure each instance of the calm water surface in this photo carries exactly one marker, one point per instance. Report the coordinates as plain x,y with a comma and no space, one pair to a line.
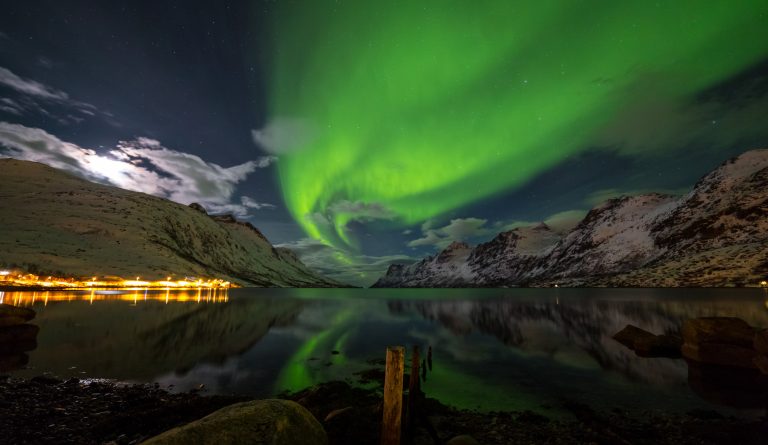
493,349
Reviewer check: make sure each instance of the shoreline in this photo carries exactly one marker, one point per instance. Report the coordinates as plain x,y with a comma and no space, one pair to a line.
44,409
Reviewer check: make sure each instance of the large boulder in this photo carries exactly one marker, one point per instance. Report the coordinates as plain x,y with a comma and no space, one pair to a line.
727,385
14,315
19,338
464,439
646,344
262,422
724,330
760,341
12,362
761,361
720,354
723,341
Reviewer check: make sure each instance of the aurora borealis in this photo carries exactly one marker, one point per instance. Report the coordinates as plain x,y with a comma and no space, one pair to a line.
414,109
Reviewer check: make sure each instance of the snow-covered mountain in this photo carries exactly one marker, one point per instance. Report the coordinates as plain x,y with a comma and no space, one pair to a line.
716,235
53,222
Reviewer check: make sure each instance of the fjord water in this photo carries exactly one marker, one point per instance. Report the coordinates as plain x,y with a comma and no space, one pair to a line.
493,349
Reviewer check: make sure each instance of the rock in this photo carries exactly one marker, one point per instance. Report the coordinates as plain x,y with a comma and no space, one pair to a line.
760,341
198,207
45,380
727,385
275,422
337,412
14,315
724,330
723,341
761,362
12,362
646,344
464,439
660,346
19,338
631,334
720,354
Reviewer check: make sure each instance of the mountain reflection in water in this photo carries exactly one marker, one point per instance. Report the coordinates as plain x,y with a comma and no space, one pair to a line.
493,349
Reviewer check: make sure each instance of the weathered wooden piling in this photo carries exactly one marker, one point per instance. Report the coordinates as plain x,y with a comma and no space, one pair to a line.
393,396
413,389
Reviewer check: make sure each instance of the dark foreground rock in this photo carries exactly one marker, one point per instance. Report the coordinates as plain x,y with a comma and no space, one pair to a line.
738,387
464,439
267,422
760,344
646,344
15,342
723,341
48,411
13,315
723,330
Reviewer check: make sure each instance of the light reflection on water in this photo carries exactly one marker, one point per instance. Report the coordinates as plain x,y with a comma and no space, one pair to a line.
198,295
493,349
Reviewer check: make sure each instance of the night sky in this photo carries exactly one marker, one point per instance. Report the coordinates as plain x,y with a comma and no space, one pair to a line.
365,133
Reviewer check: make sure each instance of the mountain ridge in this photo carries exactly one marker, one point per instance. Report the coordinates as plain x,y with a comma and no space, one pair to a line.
716,235
54,221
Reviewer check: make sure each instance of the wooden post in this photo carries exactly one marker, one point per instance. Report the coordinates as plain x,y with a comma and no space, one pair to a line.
413,389
393,396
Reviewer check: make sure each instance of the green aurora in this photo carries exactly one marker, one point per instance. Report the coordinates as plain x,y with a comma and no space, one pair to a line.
403,111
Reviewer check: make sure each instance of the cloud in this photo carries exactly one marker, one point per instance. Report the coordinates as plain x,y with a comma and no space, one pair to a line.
361,211
30,87
34,93
284,135
336,216
346,267
142,165
561,222
11,106
252,204
318,219
459,229
719,118
45,62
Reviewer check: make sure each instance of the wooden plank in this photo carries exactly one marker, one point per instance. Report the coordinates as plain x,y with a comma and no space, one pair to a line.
393,396
413,389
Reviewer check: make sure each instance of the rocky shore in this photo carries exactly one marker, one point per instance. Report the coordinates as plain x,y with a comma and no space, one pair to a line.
45,410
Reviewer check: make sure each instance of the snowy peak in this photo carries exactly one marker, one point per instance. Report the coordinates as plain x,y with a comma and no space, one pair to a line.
454,250
727,207
734,170
716,235
612,237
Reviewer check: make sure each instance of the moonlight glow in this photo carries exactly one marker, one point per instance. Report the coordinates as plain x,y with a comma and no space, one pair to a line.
403,111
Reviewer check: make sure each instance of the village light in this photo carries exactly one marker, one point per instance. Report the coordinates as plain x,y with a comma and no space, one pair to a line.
30,280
